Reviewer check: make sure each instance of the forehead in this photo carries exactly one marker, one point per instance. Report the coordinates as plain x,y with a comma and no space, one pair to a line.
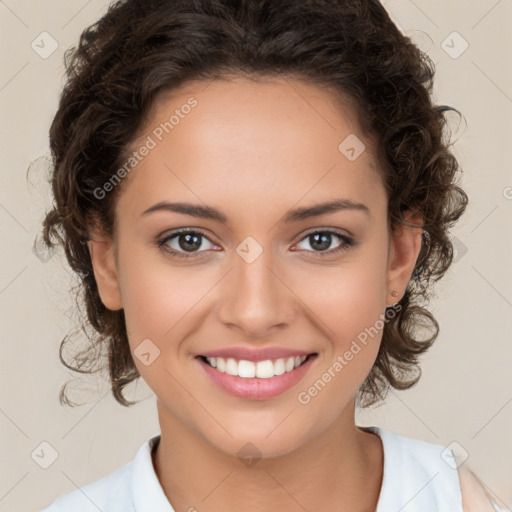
276,140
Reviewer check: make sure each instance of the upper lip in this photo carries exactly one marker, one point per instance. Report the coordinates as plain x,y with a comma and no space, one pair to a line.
253,354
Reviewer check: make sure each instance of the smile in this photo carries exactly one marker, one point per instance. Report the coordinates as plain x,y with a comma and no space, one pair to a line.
256,380
260,369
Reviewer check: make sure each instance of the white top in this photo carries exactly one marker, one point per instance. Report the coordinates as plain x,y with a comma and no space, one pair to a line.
416,478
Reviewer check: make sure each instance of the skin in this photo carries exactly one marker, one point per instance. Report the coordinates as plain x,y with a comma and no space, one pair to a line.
254,151
475,497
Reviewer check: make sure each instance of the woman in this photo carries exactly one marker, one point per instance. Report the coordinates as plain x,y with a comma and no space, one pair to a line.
256,196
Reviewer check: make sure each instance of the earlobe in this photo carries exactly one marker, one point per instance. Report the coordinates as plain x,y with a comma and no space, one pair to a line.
404,249
101,250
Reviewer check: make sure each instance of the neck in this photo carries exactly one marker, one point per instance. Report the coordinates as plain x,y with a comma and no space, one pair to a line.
340,470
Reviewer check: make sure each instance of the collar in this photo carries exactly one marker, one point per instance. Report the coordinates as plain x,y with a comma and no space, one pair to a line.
147,493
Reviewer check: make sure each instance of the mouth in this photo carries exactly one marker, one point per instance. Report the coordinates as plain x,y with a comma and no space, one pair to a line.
260,379
265,369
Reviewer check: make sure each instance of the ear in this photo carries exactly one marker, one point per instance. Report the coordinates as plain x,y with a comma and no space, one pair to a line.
103,260
403,252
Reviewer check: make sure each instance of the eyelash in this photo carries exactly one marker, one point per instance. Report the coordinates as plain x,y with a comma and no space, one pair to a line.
345,246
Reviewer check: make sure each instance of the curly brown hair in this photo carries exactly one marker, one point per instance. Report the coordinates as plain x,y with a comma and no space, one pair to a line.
141,48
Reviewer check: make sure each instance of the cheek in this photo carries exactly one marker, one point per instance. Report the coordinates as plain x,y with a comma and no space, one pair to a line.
348,298
348,304
351,314
157,296
351,320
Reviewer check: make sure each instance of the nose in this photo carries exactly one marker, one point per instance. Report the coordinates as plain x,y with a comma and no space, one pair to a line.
256,300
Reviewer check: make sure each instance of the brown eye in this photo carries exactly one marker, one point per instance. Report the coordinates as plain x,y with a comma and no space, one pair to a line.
189,242
185,243
321,241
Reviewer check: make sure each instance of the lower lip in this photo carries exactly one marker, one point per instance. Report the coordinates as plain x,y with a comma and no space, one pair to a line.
256,389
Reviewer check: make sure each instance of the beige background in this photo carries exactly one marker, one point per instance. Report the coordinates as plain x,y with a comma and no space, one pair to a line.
465,394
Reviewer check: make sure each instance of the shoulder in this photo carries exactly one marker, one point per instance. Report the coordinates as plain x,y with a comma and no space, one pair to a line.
474,496
411,464
450,486
111,493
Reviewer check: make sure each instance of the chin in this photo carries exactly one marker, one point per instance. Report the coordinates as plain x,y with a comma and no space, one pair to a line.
259,443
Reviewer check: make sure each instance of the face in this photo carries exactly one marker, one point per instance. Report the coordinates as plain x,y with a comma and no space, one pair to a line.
250,272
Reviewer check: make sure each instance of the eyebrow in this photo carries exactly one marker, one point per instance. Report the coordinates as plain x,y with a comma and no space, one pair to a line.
295,215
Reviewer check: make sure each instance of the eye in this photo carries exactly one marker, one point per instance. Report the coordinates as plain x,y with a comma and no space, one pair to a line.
184,243
322,240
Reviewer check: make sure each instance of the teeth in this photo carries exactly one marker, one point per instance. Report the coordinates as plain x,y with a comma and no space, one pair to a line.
246,369
262,369
231,367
